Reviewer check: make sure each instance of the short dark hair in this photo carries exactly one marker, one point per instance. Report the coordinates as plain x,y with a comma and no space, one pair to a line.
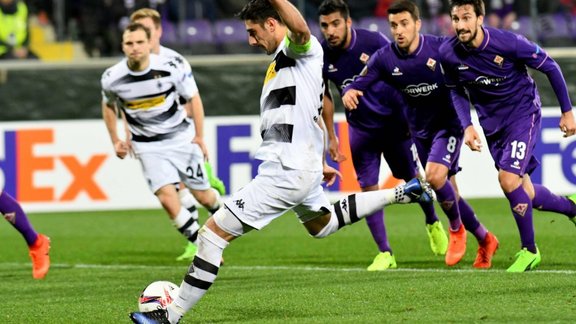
405,6
328,7
132,27
477,4
258,11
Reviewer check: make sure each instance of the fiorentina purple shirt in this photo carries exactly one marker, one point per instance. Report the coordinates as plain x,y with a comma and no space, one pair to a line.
419,77
343,66
496,78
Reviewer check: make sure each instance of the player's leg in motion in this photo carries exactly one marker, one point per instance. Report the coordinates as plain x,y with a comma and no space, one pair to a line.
187,200
366,149
404,162
184,220
223,227
38,244
487,242
545,200
521,206
436,174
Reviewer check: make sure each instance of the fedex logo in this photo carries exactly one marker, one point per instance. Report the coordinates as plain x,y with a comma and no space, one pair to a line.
22,162
547,148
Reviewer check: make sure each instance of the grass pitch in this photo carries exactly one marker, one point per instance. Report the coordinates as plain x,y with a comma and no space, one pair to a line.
102,260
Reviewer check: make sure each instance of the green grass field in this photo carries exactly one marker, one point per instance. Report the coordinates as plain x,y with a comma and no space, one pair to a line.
102,260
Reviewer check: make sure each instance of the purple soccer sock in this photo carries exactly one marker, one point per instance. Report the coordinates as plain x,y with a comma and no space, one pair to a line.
429,212
447,200
470,221
521,206
547,201
14,214
378,229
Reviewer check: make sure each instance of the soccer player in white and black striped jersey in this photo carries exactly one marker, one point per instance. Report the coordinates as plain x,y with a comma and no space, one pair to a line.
151,19
146,88
292,151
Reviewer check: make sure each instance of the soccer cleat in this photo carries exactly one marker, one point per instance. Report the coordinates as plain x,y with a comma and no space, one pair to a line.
438,238
383,261
486,250
215,182
415,190
456,246
189,252
159,316
525,261
40,257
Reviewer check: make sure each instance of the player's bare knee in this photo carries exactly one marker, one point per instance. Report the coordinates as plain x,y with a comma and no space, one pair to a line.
436,180
509,183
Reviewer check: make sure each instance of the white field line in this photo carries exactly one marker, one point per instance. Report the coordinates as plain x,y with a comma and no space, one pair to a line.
6,265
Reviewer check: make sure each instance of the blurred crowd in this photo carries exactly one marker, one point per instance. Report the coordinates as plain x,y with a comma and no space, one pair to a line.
97,24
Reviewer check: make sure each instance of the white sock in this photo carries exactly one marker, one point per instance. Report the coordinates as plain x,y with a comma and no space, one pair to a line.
202,272
217,202
186,198
353,208
187,224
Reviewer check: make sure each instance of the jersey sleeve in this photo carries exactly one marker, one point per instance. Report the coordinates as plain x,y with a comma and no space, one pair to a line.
369,75
185,83
535,57
108,96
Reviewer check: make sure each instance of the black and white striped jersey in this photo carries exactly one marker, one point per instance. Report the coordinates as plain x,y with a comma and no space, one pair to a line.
149,98
290,106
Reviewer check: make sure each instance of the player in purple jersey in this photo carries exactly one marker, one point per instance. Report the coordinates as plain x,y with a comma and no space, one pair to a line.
411,65
346,51
488,66
38,244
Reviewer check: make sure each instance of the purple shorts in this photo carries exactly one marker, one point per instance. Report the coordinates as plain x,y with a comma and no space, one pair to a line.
512,147
392,140
443,148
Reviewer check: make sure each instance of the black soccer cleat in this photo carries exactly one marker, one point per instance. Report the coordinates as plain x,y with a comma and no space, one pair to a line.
159,316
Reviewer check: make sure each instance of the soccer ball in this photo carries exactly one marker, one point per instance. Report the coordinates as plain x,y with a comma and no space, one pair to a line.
158,295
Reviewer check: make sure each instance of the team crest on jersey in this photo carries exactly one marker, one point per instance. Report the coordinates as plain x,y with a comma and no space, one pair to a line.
396,71
431,64
10,217
364,58
499,60
271,73
520,209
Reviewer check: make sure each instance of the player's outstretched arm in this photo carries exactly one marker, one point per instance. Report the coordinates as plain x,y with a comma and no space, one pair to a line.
299,31
328,117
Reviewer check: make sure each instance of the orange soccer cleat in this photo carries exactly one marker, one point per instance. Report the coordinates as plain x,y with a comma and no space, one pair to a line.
40,258
486,250
456,246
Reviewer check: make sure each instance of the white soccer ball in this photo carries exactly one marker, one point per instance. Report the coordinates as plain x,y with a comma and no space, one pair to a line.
158,295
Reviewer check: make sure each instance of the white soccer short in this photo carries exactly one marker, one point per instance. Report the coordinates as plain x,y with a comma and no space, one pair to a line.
174,163
274,191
